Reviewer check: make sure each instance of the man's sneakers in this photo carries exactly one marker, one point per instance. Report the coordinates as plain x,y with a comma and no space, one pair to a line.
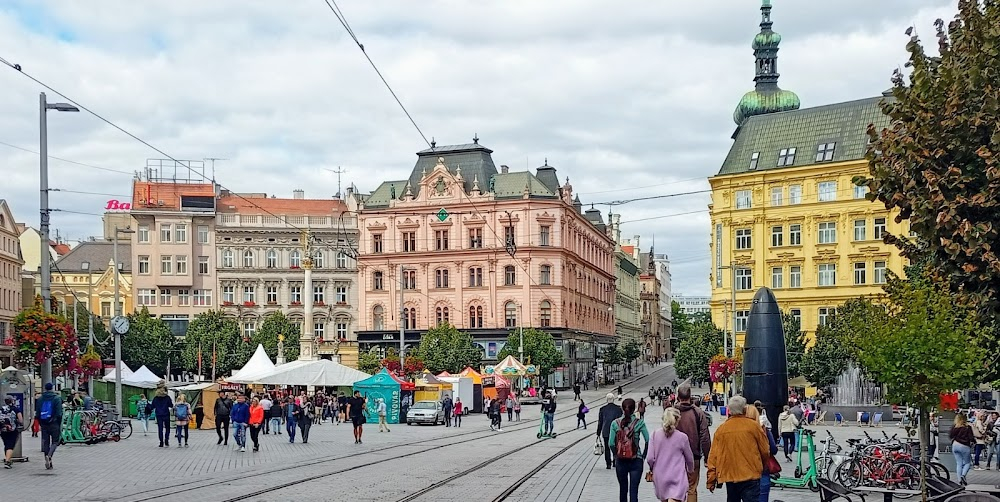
48,463
243,449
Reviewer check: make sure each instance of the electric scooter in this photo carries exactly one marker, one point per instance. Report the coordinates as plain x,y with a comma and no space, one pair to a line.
806,475
541,429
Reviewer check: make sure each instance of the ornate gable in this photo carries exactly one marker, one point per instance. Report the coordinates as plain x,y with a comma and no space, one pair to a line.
440,185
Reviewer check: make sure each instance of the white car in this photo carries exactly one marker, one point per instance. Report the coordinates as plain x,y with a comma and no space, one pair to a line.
425,412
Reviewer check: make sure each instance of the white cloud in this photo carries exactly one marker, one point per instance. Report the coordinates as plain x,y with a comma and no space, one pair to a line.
629,95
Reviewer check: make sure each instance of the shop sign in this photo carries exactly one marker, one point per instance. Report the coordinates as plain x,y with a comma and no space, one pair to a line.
489,381
226,386
116,205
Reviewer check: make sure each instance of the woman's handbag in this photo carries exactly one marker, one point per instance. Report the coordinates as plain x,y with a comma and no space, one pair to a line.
599,447
772,466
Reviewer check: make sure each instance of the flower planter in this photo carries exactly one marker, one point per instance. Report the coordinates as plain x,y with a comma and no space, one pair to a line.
249,304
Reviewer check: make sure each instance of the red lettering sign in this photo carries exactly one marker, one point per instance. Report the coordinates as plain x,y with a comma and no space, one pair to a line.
115,205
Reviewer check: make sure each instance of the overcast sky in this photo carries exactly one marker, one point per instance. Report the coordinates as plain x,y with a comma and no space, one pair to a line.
628,99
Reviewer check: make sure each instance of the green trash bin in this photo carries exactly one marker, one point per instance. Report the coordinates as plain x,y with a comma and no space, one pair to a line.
133,409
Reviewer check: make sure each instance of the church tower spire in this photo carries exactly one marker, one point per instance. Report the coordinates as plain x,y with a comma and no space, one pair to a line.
766,97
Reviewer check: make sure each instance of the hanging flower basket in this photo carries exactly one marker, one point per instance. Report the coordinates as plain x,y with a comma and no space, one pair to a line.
721,368
39,335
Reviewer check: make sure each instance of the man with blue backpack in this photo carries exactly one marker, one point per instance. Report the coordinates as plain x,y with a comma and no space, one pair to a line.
49,412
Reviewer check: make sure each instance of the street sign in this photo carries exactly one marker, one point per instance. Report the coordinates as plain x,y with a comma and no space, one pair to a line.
442,214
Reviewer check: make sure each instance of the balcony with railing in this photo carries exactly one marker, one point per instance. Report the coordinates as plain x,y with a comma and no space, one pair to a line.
285,221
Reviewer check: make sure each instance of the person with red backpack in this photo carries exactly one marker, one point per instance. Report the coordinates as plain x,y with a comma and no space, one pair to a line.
624,442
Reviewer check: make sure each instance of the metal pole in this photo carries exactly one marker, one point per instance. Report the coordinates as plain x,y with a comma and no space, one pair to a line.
43,158
90,325
520,350
118,338
402,332
733,345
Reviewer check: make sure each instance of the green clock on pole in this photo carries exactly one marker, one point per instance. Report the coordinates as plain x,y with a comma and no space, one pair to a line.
442,214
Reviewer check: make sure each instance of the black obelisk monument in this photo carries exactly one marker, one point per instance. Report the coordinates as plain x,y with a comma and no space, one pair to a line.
765,370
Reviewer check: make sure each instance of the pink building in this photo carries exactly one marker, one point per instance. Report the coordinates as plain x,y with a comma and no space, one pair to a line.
486,251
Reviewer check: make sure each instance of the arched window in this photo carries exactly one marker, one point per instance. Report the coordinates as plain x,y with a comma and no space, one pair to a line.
318,259
228,259
248,259
442,315
475,316
378,318
510,314
509,276
272,258
410,318
295,259
545,313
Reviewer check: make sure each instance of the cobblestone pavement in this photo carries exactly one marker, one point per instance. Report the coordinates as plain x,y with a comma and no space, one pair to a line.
409,463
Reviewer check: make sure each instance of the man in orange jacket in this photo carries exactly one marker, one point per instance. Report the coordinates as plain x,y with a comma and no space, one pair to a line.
738,455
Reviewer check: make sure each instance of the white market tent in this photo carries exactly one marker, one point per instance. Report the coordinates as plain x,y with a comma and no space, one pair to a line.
258,365
142,377
113,373
320,373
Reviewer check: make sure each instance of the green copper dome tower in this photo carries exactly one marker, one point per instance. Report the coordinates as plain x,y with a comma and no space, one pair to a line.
766,97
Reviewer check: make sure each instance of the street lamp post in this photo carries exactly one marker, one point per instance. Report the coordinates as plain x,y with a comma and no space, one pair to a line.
43,159
90,319
118,312
732,331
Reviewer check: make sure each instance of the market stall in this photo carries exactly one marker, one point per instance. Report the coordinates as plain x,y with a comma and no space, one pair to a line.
397,394
318,373
431,388
258,365
477,388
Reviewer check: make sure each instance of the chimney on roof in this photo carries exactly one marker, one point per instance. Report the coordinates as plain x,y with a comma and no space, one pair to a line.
504,169
298,194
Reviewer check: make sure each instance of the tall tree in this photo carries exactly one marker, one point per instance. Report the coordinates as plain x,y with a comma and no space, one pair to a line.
210,331
795,344
695,351
369,361
939,161
273,325
148,342
631,350
445,348
539,349
926,344
830,355
680,326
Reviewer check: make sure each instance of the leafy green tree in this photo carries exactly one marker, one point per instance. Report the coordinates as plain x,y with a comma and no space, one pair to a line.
926,344
680,326
369,362
695,351
795,344
938,163
830,355
103,343
445,348
539,349
210,330
148,342
631,350
273,325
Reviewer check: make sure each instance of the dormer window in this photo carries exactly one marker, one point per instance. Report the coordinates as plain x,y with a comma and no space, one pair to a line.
824,152
753,160
786,157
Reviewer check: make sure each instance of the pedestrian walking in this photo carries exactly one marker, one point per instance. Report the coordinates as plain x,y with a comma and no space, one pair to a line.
670,459
495,416
381,415
991,439
517,409
49,412
962,439
576,392
787,423
182,414
305,420
459,411
291,412
605,417
141,414
341,408
223,406
446,407
739,453
549,413
11,425
274,416
979,433
356,411
509,406
256,422
641,408
199,414
694,425
240,414
317,409
581,415
266,404
753,413
161,406
624,442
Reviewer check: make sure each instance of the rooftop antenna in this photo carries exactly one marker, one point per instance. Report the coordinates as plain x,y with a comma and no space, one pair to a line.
339,171
212,160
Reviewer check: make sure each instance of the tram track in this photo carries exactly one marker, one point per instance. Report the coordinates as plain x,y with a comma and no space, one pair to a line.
171,492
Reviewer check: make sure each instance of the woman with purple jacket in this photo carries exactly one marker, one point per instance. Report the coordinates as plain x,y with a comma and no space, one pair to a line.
670,459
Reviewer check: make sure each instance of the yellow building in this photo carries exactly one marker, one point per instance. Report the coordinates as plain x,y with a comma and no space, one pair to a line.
785,213
89,268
